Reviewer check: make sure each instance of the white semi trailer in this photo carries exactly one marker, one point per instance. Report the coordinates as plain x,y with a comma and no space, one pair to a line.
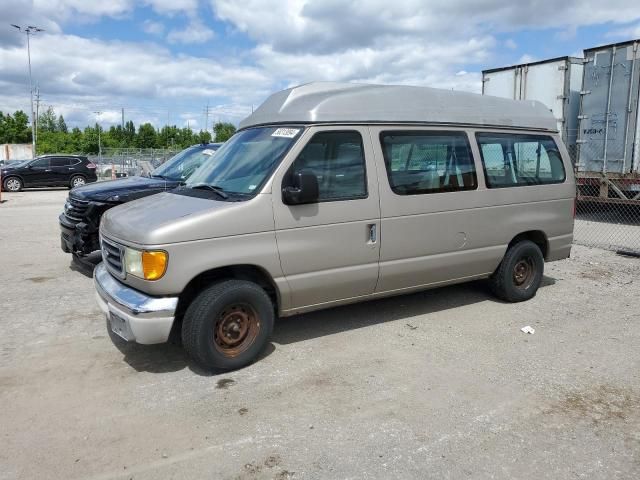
555,82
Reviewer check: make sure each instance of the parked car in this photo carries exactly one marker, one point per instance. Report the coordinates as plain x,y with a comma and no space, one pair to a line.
330,194
49,171
80,220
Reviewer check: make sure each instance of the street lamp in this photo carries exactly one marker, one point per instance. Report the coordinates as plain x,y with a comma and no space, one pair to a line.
30,30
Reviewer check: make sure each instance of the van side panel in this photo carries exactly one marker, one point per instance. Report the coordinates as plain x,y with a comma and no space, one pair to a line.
439,237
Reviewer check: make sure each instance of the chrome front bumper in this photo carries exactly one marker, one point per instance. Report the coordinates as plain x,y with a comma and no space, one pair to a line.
131,314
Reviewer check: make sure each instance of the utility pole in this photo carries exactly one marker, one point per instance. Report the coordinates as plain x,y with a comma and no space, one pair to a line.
123,119
98,113
30,30
37,115
206,117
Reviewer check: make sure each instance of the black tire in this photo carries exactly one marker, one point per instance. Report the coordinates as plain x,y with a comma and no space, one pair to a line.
519,274
9,182
75,179
241,309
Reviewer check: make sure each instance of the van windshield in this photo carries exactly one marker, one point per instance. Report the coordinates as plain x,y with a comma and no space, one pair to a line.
245,161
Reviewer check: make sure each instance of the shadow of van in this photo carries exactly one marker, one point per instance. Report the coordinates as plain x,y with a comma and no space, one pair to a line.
171,357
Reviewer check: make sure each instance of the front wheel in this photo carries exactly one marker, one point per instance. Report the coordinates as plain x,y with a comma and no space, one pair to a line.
519,274
13,184
228,325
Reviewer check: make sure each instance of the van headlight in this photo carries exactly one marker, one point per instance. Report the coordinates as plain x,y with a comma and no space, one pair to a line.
147,264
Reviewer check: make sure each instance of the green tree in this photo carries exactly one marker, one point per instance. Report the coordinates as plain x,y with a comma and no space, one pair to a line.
15,128
129,134
224,131
74,140
89,142
146,136
47,121
203,137
62,125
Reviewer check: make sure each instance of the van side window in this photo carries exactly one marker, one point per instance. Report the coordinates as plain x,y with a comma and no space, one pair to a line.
428,161
337,160
512,160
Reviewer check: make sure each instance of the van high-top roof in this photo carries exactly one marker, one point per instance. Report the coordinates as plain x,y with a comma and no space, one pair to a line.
329,102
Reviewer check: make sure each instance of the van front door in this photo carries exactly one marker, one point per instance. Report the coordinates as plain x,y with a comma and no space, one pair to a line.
329,250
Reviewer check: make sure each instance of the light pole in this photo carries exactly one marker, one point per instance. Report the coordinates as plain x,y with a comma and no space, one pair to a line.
30,30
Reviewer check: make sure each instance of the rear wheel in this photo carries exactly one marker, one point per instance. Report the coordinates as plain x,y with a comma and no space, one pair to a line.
12,184
228,324
519,274
77,181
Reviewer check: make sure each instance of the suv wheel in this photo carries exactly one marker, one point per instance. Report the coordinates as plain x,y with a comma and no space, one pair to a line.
228,325
13,184
519,274
77,181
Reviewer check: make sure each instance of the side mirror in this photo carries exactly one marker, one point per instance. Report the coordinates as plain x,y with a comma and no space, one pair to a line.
304,189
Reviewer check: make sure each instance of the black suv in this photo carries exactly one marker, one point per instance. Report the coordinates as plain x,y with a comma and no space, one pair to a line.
80,221
49,171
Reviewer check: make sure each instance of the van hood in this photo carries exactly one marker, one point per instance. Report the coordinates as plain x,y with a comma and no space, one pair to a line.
168,218
122,190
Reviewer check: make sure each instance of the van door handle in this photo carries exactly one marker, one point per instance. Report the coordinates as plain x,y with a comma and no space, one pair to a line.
373,233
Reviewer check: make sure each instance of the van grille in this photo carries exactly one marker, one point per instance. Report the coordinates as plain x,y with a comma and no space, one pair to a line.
112,256
75,209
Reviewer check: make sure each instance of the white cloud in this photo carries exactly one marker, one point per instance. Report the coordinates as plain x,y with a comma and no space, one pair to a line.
63,9
410,41
172,6
332,25
630,33
153,28
526,58
195,32
102,75
442,43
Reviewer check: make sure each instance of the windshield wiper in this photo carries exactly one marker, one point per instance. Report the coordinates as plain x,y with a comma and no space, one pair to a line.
213,188
156,175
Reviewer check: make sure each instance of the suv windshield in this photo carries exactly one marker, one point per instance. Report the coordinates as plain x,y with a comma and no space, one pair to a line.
181,166
245,161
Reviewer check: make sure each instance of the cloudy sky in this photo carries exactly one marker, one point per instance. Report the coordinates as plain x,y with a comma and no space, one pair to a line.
164,60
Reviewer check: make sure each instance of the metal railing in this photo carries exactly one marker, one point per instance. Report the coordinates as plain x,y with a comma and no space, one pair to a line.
607,207
126,162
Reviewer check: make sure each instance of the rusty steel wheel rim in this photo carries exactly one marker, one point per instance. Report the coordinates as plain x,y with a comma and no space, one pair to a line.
236,329
524,272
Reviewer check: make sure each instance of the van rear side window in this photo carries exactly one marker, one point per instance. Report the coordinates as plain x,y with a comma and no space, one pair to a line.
512,160
420,162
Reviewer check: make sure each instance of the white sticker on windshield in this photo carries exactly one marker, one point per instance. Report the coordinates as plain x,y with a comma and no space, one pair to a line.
208,151
285,132
252,187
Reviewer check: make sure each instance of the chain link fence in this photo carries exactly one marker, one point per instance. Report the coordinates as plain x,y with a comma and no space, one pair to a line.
126,162
607,207
608,204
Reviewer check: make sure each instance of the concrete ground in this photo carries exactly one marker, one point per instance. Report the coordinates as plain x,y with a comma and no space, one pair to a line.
440,384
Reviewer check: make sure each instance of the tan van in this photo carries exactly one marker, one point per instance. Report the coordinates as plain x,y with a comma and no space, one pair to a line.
336,193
